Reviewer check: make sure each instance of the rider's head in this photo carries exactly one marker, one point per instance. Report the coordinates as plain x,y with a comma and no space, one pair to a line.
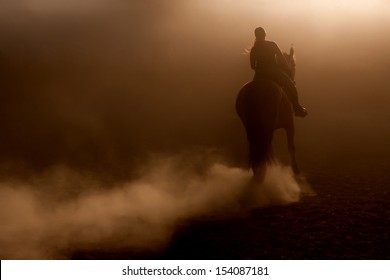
260,33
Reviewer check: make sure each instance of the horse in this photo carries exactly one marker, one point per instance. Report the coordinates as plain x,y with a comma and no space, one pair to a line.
263,107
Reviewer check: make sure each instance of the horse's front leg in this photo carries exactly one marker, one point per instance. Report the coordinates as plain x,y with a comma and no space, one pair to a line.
291,148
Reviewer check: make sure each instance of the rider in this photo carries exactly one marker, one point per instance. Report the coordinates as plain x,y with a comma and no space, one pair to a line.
268,61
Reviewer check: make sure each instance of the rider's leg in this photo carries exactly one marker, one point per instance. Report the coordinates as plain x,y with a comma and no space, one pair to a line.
292,94
291,91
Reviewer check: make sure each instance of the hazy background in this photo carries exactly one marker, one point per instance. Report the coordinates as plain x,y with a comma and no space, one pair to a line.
97,83
93,91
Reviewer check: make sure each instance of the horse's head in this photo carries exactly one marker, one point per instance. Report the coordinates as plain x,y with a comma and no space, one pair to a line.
291,62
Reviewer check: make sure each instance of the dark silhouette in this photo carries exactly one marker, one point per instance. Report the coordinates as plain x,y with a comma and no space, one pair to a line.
269,62
263,106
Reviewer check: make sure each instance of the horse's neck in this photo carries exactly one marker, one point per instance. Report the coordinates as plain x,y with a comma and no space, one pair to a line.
291,64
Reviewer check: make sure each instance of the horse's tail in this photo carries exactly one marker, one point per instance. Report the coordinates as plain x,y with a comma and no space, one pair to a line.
257,107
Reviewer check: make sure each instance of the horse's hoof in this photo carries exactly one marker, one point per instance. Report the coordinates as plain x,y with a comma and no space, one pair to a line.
296,170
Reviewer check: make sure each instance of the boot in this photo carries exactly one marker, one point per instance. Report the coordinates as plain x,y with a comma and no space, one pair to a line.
300,111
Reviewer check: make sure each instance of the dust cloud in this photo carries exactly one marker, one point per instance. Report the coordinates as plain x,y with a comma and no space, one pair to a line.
135,215
89,89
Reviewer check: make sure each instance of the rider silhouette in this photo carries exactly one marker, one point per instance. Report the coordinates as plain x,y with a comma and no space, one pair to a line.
268,61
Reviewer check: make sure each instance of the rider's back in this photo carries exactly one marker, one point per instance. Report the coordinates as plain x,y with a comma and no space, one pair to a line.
263,55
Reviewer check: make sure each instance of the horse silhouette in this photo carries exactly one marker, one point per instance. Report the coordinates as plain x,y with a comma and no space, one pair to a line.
263,107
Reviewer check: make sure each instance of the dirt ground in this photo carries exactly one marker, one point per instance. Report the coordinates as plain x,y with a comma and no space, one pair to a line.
348,218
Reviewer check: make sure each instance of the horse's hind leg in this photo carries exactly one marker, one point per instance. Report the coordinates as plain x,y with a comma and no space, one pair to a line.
291,148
